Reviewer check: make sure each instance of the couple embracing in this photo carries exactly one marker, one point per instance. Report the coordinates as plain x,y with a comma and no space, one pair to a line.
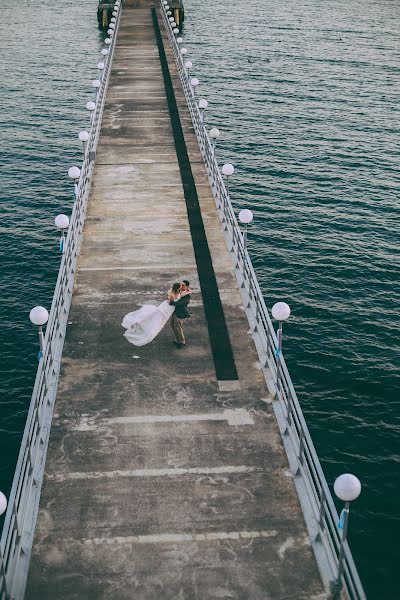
143,325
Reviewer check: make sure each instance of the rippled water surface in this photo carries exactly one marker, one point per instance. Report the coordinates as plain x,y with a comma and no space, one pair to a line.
306,96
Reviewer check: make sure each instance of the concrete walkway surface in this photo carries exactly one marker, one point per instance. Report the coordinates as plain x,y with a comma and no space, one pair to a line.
160,483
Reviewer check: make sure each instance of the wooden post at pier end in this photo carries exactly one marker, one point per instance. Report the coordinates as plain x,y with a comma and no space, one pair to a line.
176,7
106,7
104,12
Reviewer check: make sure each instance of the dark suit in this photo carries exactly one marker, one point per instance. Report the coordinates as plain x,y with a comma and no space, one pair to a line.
181,312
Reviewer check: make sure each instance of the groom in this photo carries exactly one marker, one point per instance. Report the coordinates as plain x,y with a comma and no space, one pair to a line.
180,313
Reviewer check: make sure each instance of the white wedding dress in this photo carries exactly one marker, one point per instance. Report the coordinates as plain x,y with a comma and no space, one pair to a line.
143,325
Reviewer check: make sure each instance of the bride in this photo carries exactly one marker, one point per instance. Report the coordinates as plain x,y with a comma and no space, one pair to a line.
144,324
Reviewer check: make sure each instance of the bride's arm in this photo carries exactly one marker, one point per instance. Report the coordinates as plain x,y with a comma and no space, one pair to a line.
173,297
186,292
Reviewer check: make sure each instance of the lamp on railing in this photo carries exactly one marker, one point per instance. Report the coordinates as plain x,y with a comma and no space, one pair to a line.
115,12
228,170
62,222
112,20
100,66
347,487
112,26
110,32
202,106
179,40
96,83
183,52
169,13
107,41
188,66
74,173
245,217
104,51
84,137
194,82
3,503
214,134
39,316
176,31
280,312
91,107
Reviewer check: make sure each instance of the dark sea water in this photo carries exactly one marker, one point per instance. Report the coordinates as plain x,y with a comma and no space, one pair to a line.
306,95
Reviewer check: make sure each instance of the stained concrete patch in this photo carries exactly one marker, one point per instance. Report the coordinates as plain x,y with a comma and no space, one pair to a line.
228,386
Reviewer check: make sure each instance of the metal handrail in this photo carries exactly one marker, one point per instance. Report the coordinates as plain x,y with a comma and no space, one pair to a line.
320,511
23,504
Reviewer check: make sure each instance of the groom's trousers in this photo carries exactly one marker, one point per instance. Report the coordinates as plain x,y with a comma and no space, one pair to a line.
177,327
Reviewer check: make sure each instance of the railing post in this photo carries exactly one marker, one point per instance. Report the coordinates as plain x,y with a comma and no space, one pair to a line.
322,509
3,578
336,586
300,452
278,354
289,410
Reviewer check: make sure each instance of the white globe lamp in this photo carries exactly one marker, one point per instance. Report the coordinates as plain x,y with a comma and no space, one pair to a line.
194,82
228,170
202,106
61,221
245,216
347,487
281,311
214,133
39,316
84,138
74,173
3,503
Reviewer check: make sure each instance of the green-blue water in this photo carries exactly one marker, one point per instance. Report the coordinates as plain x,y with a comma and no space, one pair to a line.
306,96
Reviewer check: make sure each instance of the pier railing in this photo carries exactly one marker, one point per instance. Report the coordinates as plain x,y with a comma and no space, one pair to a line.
314,493
23,503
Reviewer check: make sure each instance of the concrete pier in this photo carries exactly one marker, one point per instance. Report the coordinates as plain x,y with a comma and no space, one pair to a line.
163,480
